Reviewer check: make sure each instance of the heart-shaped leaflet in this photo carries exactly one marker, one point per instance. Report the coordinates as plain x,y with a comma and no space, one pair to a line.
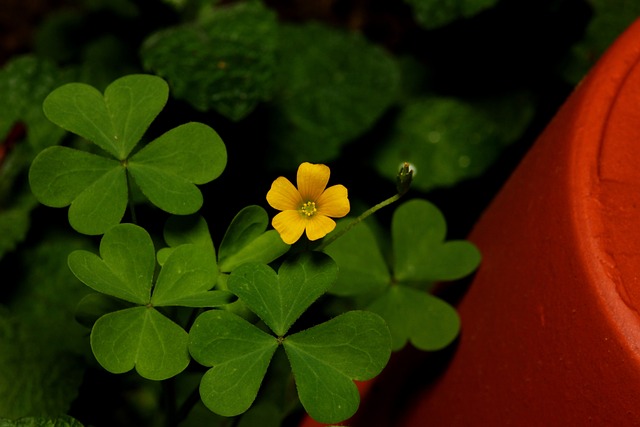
279,299
114,121
327,358
420,251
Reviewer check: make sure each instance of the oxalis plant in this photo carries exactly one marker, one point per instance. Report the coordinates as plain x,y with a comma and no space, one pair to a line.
258,318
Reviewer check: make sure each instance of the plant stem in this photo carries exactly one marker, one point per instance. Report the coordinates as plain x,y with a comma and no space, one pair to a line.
359,219
403,182
132,209
169,394
183,412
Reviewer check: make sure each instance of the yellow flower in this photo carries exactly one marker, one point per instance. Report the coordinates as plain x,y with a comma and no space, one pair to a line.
308,207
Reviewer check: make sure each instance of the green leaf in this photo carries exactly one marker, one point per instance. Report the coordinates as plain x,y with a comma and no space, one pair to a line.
63,421
192,151
225,63
609,20
170,193
323,74
327,358
47,293
201,299
361,266
59,174
420,256
127,264
166,170
239,354
37,376
94,186
140,337
247,240
25,81
14,223
279,299
42,347
181,230
125,267
95,305
116,121
420,251
186,278
428,322
448,140
432,14
168,167
188,229
101,205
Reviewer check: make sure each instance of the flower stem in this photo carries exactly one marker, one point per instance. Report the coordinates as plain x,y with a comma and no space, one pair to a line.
403,182
359,219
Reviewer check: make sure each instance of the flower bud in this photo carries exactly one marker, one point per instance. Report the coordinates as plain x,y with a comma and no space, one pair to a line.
404,178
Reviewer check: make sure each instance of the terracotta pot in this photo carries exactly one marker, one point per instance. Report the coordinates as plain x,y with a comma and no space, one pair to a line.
551,321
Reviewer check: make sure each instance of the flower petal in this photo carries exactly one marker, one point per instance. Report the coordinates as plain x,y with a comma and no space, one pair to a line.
319,226
312,180
290,225
333,202
283,195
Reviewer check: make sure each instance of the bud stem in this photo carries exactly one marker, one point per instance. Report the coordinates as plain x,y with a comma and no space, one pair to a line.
404,179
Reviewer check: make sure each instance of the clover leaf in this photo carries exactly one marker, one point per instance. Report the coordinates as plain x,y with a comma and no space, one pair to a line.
239,354
124,268
186,278
141,336
363,268
325,359
414,315
97,186
188,229
180,230
421,256
114,121
420,250
279,299
168,167
248,240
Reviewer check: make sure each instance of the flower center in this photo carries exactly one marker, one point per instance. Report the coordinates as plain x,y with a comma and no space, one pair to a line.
308,208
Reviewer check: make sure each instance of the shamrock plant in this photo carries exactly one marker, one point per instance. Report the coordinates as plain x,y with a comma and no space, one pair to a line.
397,290
98,187
324,359
235,310
141,336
